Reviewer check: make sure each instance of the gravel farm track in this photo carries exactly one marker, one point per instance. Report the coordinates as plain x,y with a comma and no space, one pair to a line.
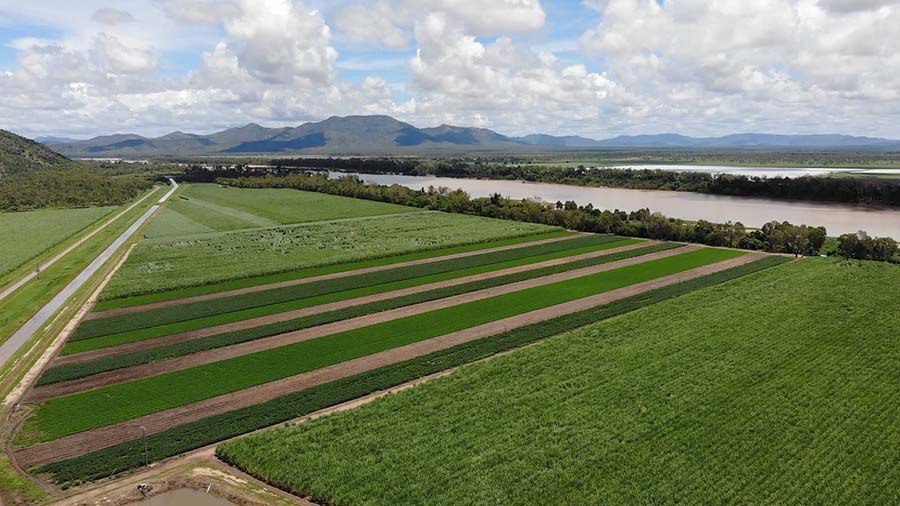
104,437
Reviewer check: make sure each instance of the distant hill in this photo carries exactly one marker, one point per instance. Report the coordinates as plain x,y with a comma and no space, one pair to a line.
351,134
362,135
751,141
572,141
18,154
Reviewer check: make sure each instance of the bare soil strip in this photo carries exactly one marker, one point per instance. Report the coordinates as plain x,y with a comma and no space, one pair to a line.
335,275
104,437
331,306
204,357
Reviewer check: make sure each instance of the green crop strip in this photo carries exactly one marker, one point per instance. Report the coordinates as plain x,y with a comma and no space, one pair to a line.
81,345
81,370
139,300
284,299
124,456
103,406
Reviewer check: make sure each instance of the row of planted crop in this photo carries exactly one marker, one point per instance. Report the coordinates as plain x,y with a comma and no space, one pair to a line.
209,430
280,299
115,403
77,370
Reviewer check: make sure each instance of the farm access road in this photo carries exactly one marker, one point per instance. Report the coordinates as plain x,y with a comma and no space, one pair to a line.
27,331
105,437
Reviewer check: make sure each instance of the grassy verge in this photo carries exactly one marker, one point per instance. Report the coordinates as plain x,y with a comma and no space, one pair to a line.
777,389
151,298
116,403
187,437
80,370
277,300
16,489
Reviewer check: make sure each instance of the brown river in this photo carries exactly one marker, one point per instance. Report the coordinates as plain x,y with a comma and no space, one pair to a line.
753,212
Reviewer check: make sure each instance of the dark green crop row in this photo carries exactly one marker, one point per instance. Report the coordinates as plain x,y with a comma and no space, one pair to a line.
121,457
184,312
83,369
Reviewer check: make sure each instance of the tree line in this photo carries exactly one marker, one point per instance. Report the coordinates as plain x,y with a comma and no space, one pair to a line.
67,188
774,237
862,247
843,190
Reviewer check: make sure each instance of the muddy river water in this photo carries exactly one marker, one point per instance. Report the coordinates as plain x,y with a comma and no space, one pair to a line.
752,212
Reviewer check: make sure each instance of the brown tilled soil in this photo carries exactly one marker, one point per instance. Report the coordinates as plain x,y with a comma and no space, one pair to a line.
105,437
204,357
303,281
323,308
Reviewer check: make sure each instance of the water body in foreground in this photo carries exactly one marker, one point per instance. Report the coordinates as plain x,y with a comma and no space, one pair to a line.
753,212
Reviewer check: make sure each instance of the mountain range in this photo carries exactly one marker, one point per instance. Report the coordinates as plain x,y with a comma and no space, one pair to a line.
363,135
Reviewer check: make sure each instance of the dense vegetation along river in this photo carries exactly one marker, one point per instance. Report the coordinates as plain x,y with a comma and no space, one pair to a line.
752,212
756,171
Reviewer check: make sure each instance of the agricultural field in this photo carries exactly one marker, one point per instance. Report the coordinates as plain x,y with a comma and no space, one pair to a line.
170,263
234,357
203,208
771,388
27,234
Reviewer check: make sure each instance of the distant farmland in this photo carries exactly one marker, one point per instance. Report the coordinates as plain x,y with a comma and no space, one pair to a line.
179,257
206,208
29,233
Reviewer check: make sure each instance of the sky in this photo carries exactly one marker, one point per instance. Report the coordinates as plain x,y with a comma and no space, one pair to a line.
596,68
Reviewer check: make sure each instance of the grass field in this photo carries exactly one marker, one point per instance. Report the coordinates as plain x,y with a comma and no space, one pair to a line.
171,263
103,406
239,307
150,298
203,208
27,234
776,388
102,463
